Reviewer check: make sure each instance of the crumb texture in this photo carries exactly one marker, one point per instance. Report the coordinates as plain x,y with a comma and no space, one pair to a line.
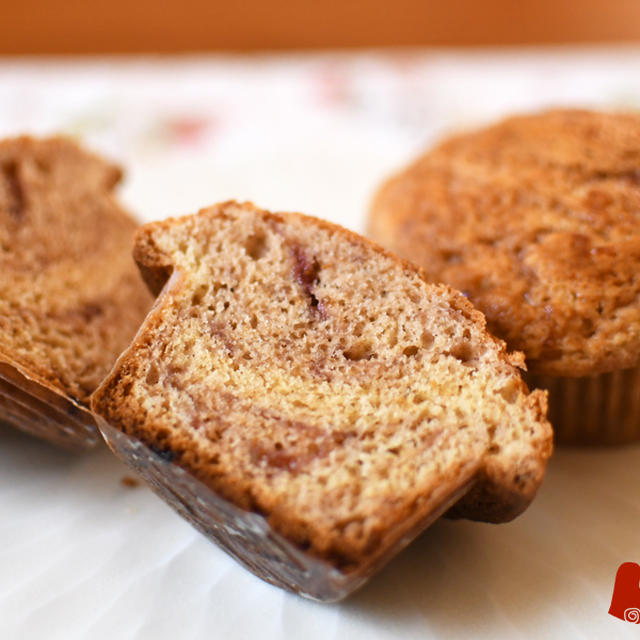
301,372
71,298
537,220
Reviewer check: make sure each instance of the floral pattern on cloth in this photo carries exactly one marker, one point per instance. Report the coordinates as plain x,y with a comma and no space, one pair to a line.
311,132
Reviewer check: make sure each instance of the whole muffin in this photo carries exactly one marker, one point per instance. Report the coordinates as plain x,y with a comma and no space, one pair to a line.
537,220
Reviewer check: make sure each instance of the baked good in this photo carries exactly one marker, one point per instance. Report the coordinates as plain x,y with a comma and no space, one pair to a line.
537,220
71,297
310,402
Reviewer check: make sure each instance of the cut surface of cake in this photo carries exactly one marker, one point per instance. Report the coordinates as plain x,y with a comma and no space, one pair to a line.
310,402
71,297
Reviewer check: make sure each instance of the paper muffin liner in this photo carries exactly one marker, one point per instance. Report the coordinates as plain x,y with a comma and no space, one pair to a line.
37,410
600,409
249,538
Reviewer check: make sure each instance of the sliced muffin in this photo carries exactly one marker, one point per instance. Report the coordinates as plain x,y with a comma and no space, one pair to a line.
308,401
71,297
537,220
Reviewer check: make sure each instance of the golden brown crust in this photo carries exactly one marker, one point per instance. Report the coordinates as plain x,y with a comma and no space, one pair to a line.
70,295
260,409
537,220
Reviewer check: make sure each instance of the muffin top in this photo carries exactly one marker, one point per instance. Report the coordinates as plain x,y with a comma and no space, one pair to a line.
537,220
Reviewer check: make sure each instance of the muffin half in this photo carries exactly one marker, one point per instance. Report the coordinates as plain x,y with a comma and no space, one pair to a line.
71,297
309,402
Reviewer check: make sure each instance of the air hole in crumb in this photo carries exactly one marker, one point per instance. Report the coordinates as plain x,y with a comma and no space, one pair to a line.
509,392
419,398
254,321
463,351
359,351
410,351
153,375
199,294
256,245
588,327
494,448
426,339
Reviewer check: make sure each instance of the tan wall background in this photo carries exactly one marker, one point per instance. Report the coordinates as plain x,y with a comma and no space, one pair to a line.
121,26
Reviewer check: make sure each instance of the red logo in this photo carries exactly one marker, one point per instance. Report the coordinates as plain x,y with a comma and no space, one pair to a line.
625,602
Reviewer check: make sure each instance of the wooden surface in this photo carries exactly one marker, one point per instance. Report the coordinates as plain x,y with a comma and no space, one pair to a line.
127,26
